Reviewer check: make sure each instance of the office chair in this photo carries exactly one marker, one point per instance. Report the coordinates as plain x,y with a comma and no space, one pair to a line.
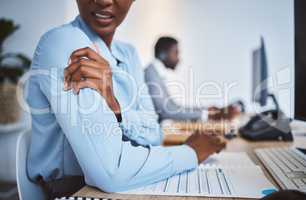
26,188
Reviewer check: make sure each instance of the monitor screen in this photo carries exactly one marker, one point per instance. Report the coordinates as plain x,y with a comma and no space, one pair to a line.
260,75
300,60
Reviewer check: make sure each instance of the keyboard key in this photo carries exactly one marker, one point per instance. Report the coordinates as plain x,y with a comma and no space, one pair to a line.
291,161
286,165
294,153
299,183
297,174
280,162
275,170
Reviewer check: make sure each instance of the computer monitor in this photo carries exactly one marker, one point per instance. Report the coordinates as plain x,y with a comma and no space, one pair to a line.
260,75
300,60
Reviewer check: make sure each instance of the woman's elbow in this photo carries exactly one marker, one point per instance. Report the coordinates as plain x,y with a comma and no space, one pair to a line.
110,187
109,183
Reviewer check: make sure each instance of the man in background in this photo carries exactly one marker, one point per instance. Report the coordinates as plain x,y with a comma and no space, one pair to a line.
166,61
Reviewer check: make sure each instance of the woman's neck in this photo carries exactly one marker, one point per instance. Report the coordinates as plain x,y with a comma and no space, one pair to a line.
107,39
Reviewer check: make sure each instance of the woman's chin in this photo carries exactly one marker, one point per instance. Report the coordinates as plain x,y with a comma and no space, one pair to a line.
105,30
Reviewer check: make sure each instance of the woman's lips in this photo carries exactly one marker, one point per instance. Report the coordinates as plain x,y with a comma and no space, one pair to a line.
103,18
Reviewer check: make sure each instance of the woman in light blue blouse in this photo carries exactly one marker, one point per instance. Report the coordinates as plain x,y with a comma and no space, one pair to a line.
92,116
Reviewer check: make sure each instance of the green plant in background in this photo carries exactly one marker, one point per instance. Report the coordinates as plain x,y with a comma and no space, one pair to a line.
11,72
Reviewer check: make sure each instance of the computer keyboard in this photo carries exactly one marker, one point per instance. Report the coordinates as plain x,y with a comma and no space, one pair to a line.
286,165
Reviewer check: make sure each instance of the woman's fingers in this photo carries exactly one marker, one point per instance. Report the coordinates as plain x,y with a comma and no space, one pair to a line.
73,67
81,72
88,83
87,69
85,72
87,53
80,68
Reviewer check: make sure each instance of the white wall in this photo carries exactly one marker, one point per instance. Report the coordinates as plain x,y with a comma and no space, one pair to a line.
35,18
216,37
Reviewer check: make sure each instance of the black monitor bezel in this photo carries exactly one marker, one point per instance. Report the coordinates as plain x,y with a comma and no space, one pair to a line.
299,16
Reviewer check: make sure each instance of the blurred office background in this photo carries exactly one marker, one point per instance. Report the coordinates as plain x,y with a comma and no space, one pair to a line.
216,40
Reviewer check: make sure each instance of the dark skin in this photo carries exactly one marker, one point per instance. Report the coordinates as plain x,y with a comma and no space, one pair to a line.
172,57
227,113
104,16
206,144
94,72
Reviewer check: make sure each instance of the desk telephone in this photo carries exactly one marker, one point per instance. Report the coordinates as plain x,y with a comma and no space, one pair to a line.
268,125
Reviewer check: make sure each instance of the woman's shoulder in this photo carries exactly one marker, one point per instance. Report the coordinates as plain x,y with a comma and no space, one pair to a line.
64,35
57,44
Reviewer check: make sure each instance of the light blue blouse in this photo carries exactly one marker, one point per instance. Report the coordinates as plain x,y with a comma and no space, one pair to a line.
79,134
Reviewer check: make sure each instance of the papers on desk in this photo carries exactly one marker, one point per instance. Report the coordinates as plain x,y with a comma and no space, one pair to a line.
216,177
229,159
